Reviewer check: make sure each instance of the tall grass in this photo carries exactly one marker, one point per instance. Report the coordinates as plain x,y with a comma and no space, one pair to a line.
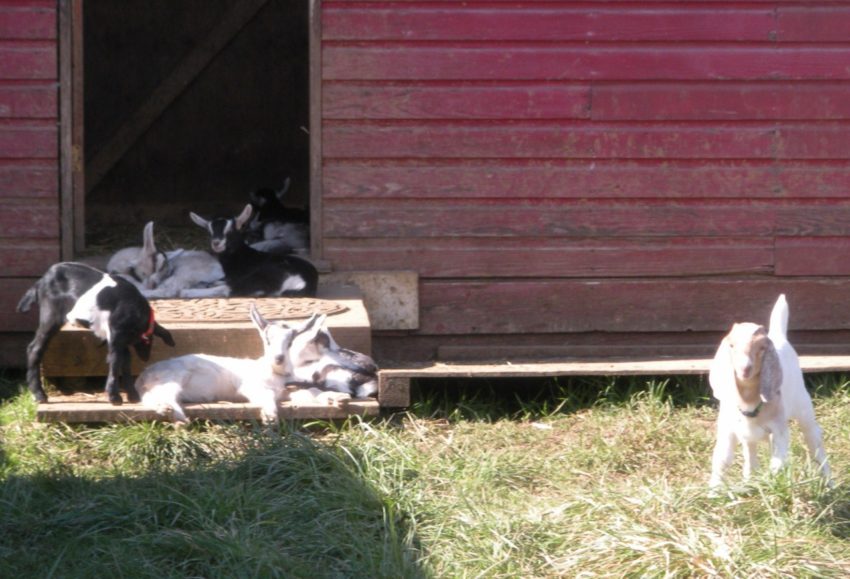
580,477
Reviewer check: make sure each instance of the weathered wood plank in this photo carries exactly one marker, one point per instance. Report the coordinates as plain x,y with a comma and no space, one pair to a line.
412,101
11,291
27,22
397,61
720,101
102,411
28,101
349,139
548,23
591,179
529,257
27,60
563,306
28,139
812,256
30,179
504,218
813,24
27,257
28,219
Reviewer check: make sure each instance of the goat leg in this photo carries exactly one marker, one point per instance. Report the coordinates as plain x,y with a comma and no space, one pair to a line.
127,380
35,353
115,361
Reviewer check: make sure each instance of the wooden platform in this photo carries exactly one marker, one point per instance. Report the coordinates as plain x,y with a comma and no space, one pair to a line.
81,408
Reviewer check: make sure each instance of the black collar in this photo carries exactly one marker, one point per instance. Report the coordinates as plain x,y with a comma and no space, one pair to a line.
754,412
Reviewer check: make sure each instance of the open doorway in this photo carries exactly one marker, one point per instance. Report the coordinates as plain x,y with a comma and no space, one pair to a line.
189,106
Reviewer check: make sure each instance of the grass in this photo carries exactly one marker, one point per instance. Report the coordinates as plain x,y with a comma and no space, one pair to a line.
573,478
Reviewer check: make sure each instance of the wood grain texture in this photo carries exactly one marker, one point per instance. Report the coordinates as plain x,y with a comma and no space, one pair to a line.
28,139
565,306
23,219
812,256
557,258
27,60
28,101
18,20
29,179
27,257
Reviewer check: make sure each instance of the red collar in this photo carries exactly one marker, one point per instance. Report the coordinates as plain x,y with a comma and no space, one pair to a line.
147,335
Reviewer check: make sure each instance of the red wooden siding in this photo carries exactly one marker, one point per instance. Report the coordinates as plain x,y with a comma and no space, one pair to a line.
29,151
556,170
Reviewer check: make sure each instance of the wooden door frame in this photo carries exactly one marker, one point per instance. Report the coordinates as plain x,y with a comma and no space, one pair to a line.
72,191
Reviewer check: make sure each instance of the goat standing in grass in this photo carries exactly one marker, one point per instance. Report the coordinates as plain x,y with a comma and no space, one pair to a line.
248,272
110,306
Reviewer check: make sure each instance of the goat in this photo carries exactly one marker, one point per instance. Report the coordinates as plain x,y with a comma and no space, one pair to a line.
318,361
164,275
111,306
275,228
756,376
203,378
248,272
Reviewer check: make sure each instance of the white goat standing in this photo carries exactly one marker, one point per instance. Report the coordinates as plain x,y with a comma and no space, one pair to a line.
203,378
756,376
165,275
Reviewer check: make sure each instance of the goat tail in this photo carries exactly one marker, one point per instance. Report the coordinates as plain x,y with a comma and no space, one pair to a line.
28,300
779,320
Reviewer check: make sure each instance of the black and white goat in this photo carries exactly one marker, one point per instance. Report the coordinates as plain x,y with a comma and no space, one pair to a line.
196,378
248,272
160,274
275,228
318,361
111,307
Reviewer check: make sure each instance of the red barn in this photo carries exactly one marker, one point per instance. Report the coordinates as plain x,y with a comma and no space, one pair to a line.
566,178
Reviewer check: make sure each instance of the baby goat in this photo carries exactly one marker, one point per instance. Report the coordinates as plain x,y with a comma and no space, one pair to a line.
275,228
248,272
202,378
317,360
165,275
112,307
756,376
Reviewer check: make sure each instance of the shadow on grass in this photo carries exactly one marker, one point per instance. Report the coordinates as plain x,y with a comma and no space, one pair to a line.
287,507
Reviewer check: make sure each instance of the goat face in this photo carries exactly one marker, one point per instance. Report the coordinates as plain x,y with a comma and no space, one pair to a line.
225,234
277,339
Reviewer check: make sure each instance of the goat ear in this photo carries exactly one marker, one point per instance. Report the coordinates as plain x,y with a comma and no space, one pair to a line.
721,374
163,334
281,193
198,220
770,384
244,216
148,245
259,321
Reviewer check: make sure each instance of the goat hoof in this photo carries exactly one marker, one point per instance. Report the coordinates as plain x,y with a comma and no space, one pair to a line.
116,400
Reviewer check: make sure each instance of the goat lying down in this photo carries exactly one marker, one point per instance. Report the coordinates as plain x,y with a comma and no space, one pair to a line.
275,228
756,376
195,378
319,362
165,275
110,306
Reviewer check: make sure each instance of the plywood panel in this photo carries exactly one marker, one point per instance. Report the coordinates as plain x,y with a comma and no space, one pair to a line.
555,141
454,101
532,257
397,61
592,179
558,306
465,22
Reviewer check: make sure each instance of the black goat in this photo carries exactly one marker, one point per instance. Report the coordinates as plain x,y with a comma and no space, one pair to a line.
110,306
248,272
275,228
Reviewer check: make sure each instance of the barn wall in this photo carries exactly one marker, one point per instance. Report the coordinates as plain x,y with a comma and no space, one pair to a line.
29,160
568,177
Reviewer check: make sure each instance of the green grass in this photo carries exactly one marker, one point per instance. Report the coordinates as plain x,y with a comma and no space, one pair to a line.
575,478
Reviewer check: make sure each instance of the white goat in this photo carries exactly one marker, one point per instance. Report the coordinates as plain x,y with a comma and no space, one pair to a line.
317,360
756,376
203,378
165,275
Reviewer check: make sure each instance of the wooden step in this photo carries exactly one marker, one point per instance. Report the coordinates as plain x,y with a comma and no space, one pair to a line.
216,327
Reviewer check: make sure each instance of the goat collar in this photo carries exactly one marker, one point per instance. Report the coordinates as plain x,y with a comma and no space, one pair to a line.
147,336
754,412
